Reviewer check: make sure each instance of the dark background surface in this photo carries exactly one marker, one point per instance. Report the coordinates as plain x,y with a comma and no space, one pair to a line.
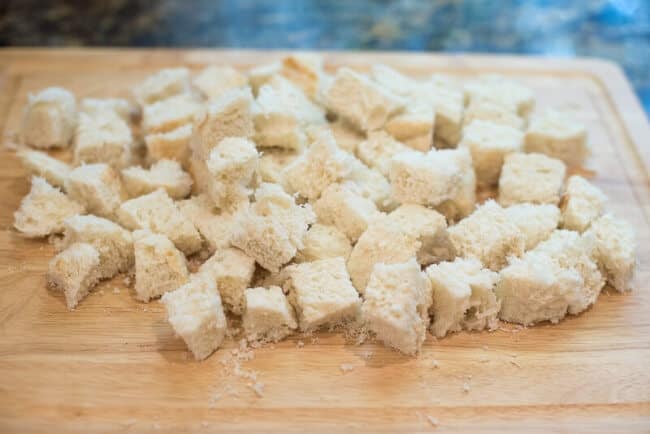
618,30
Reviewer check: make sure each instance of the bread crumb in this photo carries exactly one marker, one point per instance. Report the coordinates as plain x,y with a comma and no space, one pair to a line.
515,363
483,359
101,292
485,347
204,424
116,290
466,387
347,367
432,420
367,354
300,344
258,388
435,364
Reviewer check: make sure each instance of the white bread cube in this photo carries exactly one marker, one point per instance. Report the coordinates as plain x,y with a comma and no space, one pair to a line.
261,75
396,305
415,125
112,241
383,242
463,296
489,143
229,115
425,179
615,250
159,266
231,165
536,222
582,203
268,317
213,81
394,80
75,271
345,209
346,136
487,110
361,101
428,227
322,294
165,174
463,202
558,135
104,138
371,184
40,164
508,93
96,106
378,150
303,70
533,178
170,145
488,235
448,103
215,227
49,119
232,270
97,187
170,113
271,163
323,242
157,212
44,209
321,165
162,84
195,312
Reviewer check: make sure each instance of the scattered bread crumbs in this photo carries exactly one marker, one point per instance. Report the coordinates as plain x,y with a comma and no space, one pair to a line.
367,354
347,367
300,344
127,280
258,388
515,363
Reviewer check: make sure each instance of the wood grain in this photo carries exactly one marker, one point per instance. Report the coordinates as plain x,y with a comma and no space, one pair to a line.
114,364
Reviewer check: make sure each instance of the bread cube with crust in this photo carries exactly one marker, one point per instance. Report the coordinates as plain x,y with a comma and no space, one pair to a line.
159,266
508,93
536,222
195,313
40,164
162,84
157,212
383,242
324,242
272,162
615,250
362,102
489,143
44,209
119,106
261,75
112,241
346,136
170,145
49,119
533,178
75,271
492,247
415,125
268,316
344,208
103,138
394,80
170,113
463,202
303,70
165,174
371,184
447,99
322,294
215,227
396,305
215,80
582,203
378,150
488,110
557,134
231,166
97,187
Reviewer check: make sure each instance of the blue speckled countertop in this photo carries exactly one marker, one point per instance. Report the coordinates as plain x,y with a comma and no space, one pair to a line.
618,30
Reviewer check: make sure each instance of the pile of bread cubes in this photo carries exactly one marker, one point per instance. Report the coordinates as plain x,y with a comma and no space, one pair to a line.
322,199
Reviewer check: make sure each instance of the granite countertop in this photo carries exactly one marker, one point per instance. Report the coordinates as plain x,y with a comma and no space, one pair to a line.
618,30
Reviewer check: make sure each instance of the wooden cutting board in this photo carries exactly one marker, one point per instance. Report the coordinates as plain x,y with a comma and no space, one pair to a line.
114,364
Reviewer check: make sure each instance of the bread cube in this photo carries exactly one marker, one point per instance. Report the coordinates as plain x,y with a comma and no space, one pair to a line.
97,187
227,116
103,138
113,242
195,312
533,178
157,212
396,305
96,106
170,113
582,203
378,150
488,110
165,174
428,227
321,165
558,135
498,89
49,119
424,179
231,165
347,138
159,266
232,270
383,242
261,75
359,100
322,294
415,125
461,204
303,70
371,184
323,242
447,101
43,210
40,164
268,317
215,227
272,161
489,143
162,84
345,209
615,250
170,145
75,271
394,80
463,296
488,235
536,222
213,81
